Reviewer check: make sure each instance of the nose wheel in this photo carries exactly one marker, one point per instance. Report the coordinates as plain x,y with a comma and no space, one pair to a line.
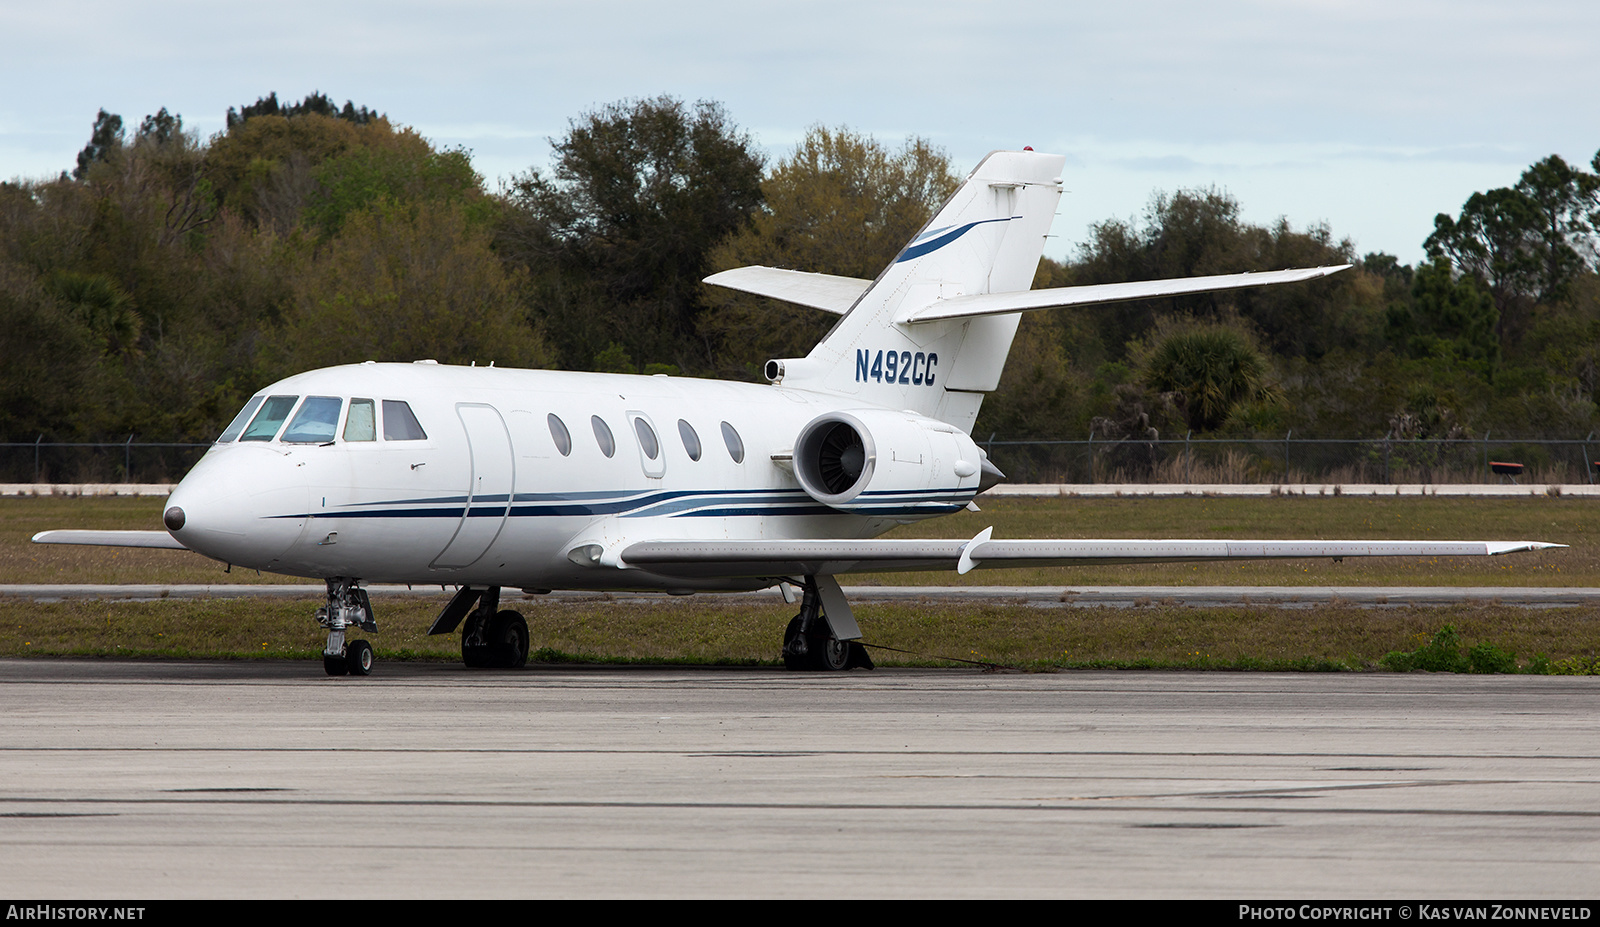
348,606
356,661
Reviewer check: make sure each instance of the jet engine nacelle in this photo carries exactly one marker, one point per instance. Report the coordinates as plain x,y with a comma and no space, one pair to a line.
898,463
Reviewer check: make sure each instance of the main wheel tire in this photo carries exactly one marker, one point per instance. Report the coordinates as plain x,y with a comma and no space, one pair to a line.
792,660
828,653
335,666
358,658
508,639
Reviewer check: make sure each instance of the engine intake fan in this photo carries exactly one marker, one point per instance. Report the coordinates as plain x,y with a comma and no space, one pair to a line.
834,458
880,461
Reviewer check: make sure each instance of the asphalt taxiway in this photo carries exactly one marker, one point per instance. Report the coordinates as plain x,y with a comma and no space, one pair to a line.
268,779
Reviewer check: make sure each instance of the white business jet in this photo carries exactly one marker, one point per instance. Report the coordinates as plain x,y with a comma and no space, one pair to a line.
487,478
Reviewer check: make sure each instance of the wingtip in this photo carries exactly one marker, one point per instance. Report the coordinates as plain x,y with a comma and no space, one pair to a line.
1516,547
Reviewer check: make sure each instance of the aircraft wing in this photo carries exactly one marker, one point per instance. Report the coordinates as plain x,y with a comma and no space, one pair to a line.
962,307
819,291
827,557
110,539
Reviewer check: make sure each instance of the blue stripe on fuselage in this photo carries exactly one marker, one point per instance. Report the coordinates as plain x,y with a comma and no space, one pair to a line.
633,504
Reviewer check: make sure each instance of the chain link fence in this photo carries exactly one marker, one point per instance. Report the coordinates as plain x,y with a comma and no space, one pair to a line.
1297,460
131,461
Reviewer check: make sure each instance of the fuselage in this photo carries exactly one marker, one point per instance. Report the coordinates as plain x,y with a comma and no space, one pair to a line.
505,475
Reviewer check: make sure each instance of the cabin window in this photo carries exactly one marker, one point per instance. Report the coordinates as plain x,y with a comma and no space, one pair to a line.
734,442
362,423
691,441
316,422
238,423
266,422
559,433
647,438
399,424
602,435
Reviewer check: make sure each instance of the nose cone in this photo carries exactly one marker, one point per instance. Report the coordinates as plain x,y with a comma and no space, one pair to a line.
240,504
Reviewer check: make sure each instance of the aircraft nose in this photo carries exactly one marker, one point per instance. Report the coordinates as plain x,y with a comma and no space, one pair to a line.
240,506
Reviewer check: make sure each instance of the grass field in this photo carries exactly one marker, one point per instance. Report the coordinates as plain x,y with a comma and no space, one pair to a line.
706,629
709,629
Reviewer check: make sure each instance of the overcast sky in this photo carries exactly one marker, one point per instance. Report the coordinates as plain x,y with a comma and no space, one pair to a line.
1370,116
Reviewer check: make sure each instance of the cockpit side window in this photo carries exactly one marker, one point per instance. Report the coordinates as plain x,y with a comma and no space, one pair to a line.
399,424
316,422
362,423
238,423
266,422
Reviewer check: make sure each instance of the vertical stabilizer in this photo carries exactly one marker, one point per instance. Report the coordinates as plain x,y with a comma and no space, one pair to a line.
986,239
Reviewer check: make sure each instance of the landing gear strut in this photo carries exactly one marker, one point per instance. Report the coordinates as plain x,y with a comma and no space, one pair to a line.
490,637
347,606
811,642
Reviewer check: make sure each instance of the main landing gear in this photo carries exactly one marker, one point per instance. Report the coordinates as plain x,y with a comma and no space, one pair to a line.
348,606
812,642
490,638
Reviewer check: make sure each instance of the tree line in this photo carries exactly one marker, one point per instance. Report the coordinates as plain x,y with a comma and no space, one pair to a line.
164,278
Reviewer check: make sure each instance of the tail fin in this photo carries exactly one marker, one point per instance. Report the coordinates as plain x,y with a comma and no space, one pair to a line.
931,334
987,238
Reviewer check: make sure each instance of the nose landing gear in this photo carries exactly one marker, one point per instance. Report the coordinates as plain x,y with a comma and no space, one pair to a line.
347,606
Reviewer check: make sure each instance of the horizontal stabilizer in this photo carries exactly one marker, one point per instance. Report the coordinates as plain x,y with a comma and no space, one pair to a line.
964,307
819,291
817,557
110,539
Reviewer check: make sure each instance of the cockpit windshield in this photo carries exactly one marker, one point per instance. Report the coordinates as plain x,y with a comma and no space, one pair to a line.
316,422
266,422
237,425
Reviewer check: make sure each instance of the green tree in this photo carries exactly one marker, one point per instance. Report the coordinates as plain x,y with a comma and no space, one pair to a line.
1491,241
52,377
102,306
1526,244
1199,233
1565,203
403,282
162,128
1211,370
104,138
262,167
840,203
407,169
1455,319
618,234
316,103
